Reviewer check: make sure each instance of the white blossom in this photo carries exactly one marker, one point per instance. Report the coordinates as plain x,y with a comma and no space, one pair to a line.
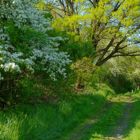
23,14
10,67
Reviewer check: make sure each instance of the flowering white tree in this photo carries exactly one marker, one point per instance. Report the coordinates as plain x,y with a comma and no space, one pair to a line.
23,14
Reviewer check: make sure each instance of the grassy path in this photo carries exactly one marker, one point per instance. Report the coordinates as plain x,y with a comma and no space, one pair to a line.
110,123
81,117
79,132
123,122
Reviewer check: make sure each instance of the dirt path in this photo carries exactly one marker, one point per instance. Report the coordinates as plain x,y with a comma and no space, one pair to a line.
123,122
79,132
117,132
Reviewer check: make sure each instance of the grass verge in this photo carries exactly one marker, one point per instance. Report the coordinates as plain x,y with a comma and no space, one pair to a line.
47,121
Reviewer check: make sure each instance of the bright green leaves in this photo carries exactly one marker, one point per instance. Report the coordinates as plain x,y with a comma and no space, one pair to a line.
67,23
128,13
84,69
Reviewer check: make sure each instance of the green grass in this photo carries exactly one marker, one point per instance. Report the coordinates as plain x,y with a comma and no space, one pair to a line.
107,121
133,131
55,121
47,121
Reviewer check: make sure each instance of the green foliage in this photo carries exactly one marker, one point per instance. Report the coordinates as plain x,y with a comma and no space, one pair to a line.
119,74
39,39
65,108
29,89
105,24
78,49
47,122
25,44
84,69
134,123
123,74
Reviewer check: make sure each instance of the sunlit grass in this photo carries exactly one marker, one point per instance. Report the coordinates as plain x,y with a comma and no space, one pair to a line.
45,121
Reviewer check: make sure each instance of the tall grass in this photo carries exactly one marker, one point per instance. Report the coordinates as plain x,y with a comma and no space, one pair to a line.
46,121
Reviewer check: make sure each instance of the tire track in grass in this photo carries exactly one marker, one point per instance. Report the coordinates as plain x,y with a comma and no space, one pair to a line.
101,121
79,132
123,122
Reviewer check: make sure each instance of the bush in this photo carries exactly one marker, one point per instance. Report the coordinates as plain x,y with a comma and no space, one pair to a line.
84,69
25,44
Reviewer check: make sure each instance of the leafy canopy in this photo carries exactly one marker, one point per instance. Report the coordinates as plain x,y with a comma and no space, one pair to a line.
111,26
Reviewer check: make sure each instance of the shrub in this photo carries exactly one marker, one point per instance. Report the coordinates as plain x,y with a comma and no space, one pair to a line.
25,45
84,69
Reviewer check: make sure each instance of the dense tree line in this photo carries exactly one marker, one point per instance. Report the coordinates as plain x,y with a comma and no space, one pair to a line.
91,37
